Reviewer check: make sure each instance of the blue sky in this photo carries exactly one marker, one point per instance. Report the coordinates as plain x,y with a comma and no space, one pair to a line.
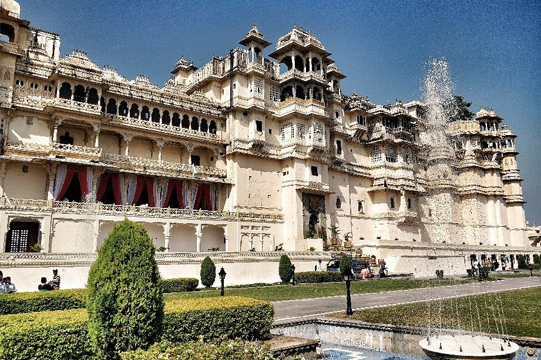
493,48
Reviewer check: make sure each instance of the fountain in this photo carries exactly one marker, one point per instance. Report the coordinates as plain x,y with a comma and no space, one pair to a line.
441,108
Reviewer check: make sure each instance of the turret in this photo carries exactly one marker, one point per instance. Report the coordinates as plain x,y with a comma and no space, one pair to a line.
183,71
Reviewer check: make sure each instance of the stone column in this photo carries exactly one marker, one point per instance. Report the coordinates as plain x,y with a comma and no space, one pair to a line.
96,135
166,235
292,60
310,68
56,124
160,144
50,178
3,166
260,241
95,233
127,138
198,236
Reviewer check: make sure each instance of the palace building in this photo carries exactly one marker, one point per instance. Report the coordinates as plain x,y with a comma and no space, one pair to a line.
257,149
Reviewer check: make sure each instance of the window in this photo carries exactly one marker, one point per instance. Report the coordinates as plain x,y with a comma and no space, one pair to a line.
258,86
259,125
66,139
392,203
375,154
314,171
361,120
390,154
360,206
22,236
338,147
300,131
338,203
337,115
274,95
196,160
409,203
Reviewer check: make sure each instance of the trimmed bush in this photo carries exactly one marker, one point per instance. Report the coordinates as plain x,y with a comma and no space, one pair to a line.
208,272
64,334
522,262
345,262
311,277
42,301
124,297
179,285
199,350
537,259
284,269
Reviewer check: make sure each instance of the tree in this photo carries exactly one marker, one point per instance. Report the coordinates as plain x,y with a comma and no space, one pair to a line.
344,262
284,269
460,109
124,297
208,272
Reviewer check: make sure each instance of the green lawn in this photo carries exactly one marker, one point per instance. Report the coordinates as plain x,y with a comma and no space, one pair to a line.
514,312
304,291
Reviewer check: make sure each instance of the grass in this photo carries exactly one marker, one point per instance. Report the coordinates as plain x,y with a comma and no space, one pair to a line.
306,291
514,312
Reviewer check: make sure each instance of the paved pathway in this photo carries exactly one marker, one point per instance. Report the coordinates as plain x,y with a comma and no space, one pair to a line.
312,308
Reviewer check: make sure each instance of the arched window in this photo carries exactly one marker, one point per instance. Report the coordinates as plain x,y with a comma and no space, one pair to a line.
155,115
176,119
65,91
195,123
165,117
299,63
185,122
285,64
111,106
102,104
392,203
300,92
338,203
123,109
316,66
145,113
287,92
212,127
92,96
360,206
317,94
79,93
375,154
204,126
409,203
134,111
8,31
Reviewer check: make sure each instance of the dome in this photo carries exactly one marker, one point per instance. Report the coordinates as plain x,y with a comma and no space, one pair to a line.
12,7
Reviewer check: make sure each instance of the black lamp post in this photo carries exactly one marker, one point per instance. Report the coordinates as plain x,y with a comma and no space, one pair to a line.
222,275
293,274
480,275
347,278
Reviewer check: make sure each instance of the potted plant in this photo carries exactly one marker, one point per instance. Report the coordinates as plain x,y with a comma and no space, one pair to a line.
334,234
347,242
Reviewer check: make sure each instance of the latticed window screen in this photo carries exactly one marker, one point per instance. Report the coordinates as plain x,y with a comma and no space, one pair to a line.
300,131
19,240
375,154
258,84
274,95
390,154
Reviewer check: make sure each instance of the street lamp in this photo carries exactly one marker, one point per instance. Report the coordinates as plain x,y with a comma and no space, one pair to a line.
347,278
222,275
293,274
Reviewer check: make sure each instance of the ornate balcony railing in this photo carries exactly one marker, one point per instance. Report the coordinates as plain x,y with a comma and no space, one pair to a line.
306,107
147,124
15,148
297,74
99,209
75,105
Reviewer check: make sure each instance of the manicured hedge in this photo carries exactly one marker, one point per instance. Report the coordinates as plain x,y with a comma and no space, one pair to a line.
64,334
311,277
42,301
179,285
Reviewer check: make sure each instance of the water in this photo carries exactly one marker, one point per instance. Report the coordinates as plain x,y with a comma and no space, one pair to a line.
337,352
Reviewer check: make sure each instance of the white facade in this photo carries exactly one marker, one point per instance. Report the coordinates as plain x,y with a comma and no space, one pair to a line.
245,153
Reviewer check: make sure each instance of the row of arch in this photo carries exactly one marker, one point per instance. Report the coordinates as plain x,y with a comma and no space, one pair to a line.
301,92
134,111
312,64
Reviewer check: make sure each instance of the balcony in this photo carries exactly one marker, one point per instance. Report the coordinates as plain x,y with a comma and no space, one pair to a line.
164,128
67,104
52,150
299,106
301,75
164,168
103,210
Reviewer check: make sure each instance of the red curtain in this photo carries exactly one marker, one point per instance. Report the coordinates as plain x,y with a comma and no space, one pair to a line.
138,189
207,197
69,176
117,192
150,191
83,180
177,185
104,180
198,196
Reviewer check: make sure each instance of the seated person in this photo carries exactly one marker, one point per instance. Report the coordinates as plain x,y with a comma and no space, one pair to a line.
55,282
44,286
9,287
365,273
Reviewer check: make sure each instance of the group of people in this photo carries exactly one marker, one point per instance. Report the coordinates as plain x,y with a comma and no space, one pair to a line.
54,284
7,287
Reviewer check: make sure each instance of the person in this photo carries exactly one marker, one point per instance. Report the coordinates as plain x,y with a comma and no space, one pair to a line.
55,282
318,265
365,273
9,287
531,269
44,286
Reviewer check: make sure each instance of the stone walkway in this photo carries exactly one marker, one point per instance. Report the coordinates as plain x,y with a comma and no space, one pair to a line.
304,309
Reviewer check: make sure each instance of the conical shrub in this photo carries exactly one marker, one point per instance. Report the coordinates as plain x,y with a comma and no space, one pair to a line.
208,272
124,297
284,269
